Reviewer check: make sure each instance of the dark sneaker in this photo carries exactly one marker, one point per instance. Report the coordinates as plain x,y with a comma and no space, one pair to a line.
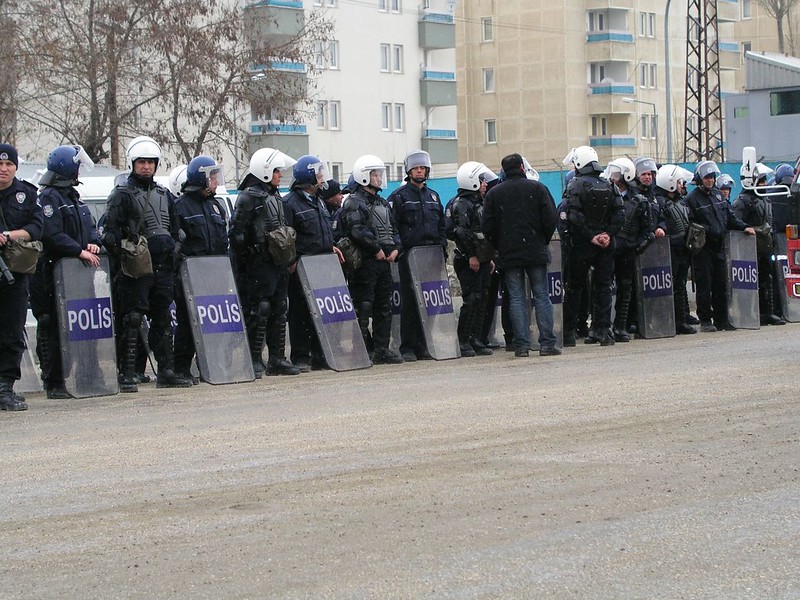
128,385
521,353
707,327
727,326
142,378
281,366
57,392
692,320
467,351
12,402
569,340
549,352
409,357
302,366
621,335
188,375
684,329
167,378
591,338
607,339
775,320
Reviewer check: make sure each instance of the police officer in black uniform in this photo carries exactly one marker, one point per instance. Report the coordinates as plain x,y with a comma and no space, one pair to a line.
262,284
756,211
419,215
307,214
473,257
709,209
367,220
141,207
69,232
20,220
202,231
594,210
676,219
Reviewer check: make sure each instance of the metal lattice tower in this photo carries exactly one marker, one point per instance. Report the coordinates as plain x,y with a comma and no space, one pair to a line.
703,132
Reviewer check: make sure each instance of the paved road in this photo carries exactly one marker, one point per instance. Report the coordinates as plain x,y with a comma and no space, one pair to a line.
656,469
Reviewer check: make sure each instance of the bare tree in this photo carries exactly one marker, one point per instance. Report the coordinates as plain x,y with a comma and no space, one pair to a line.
779,10
9,73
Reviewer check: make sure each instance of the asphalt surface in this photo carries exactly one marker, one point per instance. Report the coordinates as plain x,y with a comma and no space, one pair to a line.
655,469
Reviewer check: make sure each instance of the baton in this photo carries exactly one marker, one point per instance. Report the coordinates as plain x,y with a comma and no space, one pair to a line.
6,273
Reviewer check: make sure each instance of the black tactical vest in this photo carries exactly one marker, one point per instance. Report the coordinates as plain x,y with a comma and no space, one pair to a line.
153,205
597,200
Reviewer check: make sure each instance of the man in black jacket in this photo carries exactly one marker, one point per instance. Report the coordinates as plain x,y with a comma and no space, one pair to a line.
519,218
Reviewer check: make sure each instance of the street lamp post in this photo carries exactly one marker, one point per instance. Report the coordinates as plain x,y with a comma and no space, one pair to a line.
655,117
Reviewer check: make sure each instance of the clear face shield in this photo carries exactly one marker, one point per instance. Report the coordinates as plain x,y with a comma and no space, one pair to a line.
376,177
569,159
215,176
530,172
612,172
82,159
321,173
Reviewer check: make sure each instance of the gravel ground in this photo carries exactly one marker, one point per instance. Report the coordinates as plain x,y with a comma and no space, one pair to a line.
655,469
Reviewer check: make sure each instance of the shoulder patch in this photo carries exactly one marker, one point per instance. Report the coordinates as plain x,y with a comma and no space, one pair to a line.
21,197
47,209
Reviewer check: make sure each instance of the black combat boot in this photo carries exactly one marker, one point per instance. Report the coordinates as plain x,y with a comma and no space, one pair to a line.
277,363
8,399
624,294
681,327
127,378
166,376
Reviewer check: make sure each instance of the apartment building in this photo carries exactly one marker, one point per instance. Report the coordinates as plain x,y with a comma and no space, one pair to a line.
540,77
384,84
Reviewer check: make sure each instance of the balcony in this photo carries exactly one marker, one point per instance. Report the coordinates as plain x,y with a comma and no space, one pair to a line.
730,56
274,22
441,144
437,88
290,138
606,46
616,141
606,98
436,31
728,11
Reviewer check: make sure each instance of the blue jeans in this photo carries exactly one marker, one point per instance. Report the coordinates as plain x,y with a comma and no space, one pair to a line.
519,306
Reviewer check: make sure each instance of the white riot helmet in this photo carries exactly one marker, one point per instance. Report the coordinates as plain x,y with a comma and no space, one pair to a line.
530,172
264,162
669,176
751,177
469,174
622,166
369,170
142,147
583,158
176,179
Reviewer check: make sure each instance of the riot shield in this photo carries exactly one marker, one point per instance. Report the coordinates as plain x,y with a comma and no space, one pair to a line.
654,293
217,320
742,280
434,301
30,381
86,327
496,337
394,342
788,284
555,289
333,313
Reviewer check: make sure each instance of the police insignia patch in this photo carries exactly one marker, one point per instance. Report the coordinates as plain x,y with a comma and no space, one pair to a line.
48,210
20,197
216,209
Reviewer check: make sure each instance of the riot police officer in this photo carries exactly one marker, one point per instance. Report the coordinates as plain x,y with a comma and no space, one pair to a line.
262,283
69,232
755,210
709,209
307,214
676,217
473,257
419,215
140,207
367,220
594,210
21,220
202,231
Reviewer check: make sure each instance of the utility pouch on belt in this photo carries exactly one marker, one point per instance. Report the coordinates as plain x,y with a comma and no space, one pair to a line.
136,259
22,257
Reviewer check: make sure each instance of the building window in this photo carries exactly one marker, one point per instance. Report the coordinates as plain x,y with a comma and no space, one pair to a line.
487,29
597,73
599,126
746,47
400,173
647,24
322,115
336,171
648,127
333,54
319,55
334,112
326,55
383,5
784,103
397,56
386,116
396,6
741,112
747,9
596,21
399,117
488,80
426,4
648,75
385,57
490,125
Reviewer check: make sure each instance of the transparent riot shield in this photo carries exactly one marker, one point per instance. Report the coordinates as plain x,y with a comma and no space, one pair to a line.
333,313
555,288
787,284
217,320
394,342
742,280
434,301
30,381
86,327
654,293
496,337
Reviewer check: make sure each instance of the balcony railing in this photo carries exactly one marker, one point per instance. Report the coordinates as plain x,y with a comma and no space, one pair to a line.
283,128
609,36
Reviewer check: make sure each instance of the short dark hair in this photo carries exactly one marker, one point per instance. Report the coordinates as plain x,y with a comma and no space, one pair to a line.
511,163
